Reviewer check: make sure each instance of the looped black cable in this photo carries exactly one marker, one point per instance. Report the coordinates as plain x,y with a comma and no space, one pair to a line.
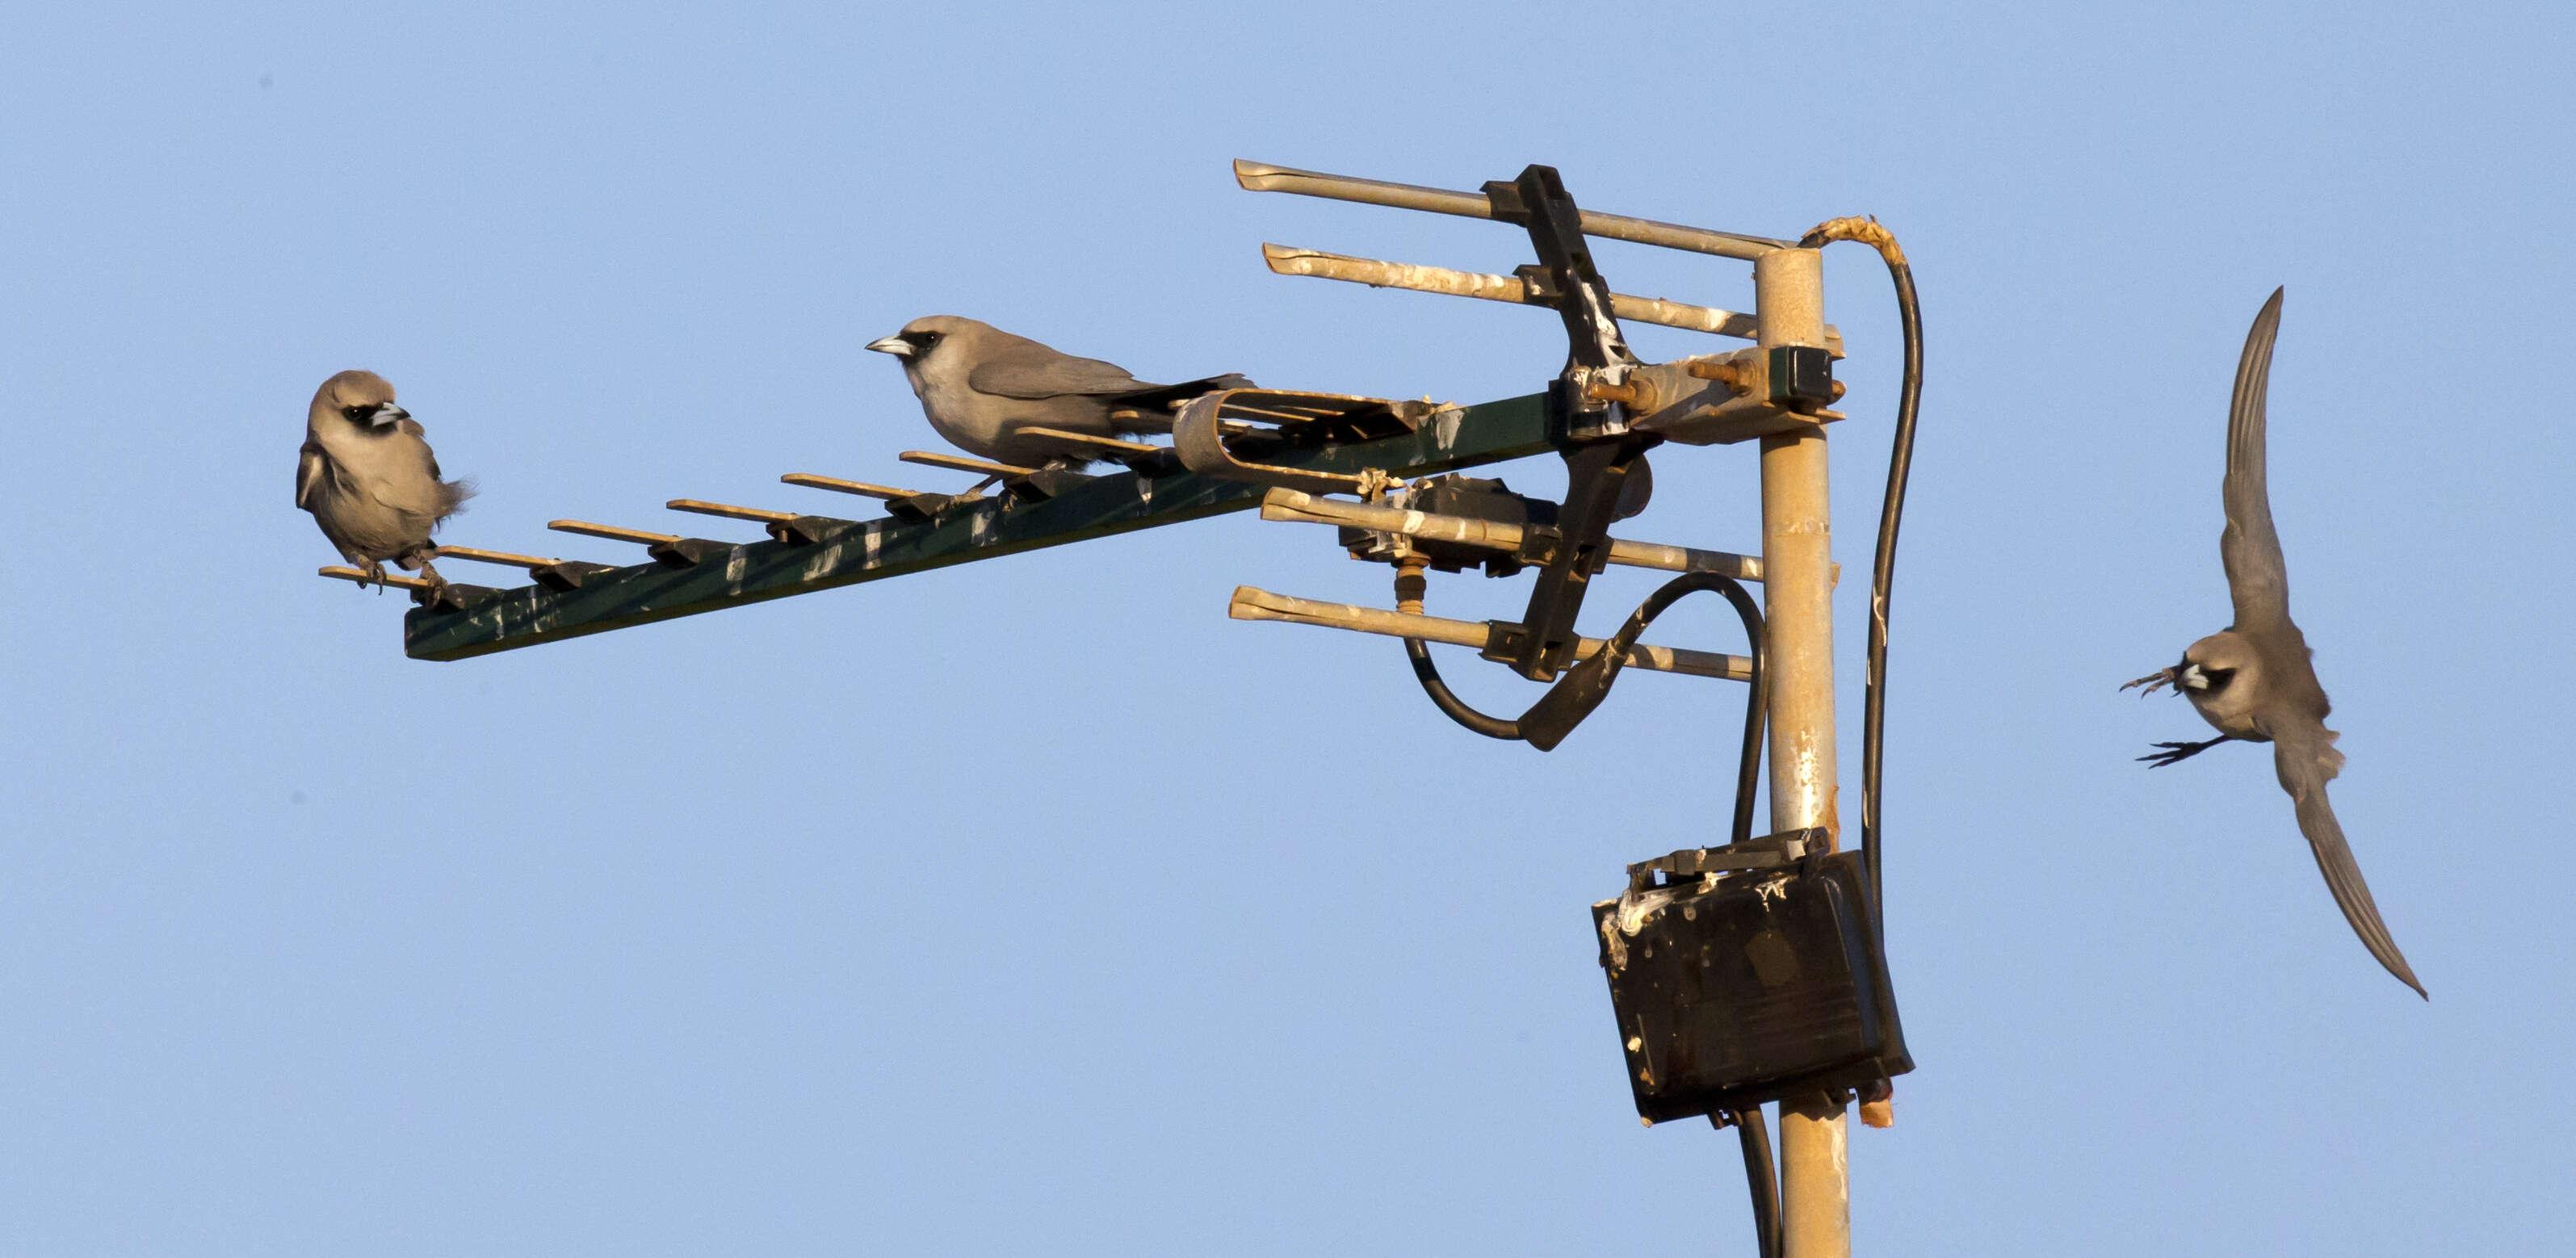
1748,768
1614,656
1428,674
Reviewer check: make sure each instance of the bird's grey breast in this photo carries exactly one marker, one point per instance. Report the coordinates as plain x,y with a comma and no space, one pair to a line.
949,403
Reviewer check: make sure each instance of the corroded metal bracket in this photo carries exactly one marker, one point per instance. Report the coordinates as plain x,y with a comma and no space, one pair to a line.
1209,426
1717,399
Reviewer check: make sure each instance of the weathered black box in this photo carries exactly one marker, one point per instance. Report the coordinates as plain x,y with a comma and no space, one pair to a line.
1473,498
1739,989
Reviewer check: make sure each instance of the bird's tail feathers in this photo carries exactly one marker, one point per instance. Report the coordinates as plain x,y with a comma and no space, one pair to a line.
2328,758
2344,880
1160,396
452,495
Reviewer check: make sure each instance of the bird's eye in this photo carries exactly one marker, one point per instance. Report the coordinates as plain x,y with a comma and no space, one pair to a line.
2217,677
354,413
926,339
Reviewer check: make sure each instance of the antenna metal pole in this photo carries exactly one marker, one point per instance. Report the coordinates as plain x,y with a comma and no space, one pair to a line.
1797,597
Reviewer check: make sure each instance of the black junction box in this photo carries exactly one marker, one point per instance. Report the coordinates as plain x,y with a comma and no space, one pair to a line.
1802,377
1732,990
1475,498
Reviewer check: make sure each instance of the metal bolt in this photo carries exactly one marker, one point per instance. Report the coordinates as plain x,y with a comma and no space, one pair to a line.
1727,374
1636,395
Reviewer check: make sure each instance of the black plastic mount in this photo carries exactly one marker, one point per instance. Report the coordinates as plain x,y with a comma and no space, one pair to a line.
689,552
1565,277
1595,476
1599,451
1044,483
1802,378
567,574
1473,498
447,596
1770,851
808,530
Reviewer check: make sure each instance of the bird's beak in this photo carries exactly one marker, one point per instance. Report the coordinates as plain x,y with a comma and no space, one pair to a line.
387,414
2191,678
894,345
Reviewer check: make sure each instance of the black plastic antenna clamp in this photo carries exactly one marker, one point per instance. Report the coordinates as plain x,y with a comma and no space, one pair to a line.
1596,477
1566,278
1600,453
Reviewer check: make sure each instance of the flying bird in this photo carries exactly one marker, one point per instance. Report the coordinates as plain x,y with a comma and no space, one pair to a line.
2253,681
369,479
982,388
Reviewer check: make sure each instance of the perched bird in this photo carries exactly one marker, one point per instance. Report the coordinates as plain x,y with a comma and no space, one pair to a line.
368,477
2253,682
982,387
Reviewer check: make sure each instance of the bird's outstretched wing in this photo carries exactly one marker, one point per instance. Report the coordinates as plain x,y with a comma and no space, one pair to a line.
311,466
2257,577
2306,759
1030,370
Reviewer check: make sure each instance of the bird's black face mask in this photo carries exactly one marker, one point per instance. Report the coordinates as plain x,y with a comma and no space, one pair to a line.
376,418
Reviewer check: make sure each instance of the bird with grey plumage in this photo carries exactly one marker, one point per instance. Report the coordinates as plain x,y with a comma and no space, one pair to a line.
2253,682
983,388
367,475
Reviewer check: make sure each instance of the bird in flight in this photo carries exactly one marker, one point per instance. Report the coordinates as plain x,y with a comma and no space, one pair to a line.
2253,681
368,477
982,387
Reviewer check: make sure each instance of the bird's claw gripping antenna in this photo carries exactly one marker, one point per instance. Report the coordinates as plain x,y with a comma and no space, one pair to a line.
433,593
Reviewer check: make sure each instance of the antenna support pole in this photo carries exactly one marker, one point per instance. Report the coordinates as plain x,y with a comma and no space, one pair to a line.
1797,596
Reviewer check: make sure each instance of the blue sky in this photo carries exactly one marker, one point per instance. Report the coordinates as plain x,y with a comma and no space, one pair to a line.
1034,906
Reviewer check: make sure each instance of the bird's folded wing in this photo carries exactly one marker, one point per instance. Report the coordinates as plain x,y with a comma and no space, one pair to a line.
311,465
449,494
1157,396
420,440
2306,760
2257,577
1034,371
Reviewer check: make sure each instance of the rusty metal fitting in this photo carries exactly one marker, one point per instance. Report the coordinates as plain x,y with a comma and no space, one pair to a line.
1636,395
1878,1104
1727,374
1411,584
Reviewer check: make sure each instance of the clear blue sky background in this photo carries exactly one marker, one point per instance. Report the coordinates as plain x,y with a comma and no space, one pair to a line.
1033,906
